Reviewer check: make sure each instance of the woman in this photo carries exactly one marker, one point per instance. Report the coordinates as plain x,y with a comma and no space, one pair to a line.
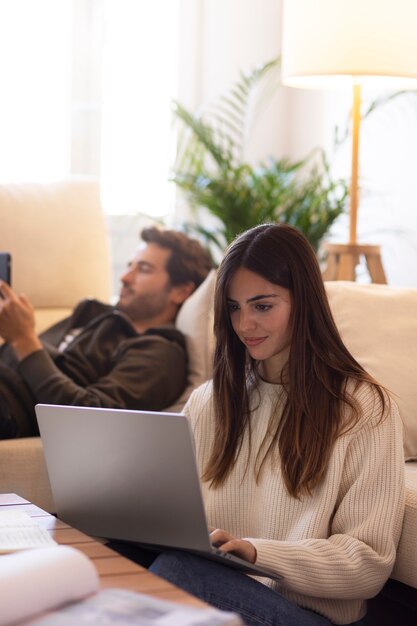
300,450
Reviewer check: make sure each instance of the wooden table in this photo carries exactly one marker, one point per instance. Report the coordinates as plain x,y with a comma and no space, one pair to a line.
114,570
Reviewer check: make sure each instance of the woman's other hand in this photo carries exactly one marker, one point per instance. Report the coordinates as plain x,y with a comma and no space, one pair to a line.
226,542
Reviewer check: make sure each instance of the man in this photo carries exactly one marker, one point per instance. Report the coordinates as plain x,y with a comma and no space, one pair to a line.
128,356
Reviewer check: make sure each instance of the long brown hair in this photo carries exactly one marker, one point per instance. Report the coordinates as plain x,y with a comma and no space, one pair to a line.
317,372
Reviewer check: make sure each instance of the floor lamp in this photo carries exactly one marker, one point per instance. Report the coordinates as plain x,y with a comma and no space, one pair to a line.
328,44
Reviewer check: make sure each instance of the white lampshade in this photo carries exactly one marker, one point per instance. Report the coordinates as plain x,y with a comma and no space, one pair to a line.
327,42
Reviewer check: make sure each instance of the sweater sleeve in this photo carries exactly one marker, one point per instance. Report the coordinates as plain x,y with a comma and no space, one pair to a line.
355,560
149,373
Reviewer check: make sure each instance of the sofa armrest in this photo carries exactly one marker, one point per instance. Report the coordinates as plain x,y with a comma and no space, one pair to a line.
405,568
23,471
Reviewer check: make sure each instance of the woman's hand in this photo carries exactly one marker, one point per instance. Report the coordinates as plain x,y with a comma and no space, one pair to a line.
226,542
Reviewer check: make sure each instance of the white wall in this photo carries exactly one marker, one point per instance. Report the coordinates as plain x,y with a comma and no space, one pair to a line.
388,206
387,212
224,38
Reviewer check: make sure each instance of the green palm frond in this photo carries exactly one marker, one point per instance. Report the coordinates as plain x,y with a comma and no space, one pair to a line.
211,171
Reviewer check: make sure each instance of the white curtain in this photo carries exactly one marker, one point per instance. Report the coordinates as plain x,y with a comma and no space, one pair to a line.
35,79
86,90
140,77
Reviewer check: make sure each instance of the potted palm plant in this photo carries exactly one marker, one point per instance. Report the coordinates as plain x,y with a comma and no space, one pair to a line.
211,171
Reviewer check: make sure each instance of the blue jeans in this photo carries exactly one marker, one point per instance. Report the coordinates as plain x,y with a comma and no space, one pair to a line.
230,590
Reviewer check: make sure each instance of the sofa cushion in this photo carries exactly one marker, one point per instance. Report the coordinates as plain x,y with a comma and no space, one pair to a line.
195,321
378,324
45,317
56,234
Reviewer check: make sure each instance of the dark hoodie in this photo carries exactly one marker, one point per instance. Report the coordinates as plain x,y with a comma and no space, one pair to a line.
109,364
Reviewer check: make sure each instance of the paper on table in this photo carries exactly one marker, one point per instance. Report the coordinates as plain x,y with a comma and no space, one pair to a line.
18,531
33,581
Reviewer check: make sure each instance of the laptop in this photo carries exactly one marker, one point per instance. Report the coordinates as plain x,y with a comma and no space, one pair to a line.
129,476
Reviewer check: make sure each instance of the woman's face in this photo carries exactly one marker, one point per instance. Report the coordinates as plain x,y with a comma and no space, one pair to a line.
260,315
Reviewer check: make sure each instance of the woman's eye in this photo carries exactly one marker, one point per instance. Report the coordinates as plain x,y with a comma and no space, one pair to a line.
263,307
232,308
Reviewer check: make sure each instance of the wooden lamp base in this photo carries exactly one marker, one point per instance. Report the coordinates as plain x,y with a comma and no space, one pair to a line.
342,260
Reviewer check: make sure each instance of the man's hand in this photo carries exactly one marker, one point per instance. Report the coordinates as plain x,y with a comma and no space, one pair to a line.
226,542
17,322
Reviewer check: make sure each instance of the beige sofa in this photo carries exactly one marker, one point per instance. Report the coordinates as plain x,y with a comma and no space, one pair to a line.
379,326
56,234
62,230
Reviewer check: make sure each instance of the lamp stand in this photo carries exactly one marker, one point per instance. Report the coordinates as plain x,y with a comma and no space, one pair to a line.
342,259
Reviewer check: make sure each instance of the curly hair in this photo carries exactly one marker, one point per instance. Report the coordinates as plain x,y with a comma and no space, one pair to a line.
189,260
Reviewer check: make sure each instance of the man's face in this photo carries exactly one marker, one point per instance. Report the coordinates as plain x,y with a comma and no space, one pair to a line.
146,295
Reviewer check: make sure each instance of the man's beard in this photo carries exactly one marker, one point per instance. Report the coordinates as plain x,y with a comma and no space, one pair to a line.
144,307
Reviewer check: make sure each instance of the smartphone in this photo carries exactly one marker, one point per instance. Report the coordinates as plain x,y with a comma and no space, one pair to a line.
6,267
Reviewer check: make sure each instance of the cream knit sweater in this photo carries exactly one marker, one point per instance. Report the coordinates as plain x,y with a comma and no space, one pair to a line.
334,548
